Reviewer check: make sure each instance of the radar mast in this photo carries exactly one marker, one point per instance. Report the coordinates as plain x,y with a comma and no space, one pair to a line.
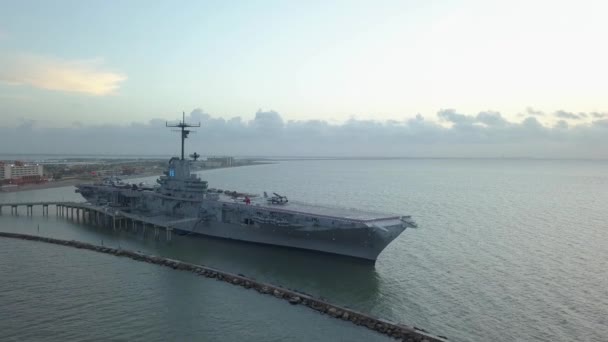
183,125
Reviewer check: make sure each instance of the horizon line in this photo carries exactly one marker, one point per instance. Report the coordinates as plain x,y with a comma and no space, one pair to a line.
298,157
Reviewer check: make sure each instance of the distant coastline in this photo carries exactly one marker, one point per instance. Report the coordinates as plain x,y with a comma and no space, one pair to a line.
71,157
73,181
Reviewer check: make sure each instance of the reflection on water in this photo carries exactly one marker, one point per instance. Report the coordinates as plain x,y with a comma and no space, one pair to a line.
344,280
54,293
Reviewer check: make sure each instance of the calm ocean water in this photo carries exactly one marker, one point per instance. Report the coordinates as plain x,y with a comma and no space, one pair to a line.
507,250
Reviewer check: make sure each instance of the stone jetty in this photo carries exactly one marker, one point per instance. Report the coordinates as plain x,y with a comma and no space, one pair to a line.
394,330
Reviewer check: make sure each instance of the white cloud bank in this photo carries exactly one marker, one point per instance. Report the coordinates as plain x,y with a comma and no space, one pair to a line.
486,134
82,76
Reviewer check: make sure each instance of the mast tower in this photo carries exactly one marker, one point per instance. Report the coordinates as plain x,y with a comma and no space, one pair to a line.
183,125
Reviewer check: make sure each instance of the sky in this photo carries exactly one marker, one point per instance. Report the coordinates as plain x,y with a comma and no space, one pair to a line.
374,78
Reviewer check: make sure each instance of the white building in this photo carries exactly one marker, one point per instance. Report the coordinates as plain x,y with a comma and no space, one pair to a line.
219,161
19,170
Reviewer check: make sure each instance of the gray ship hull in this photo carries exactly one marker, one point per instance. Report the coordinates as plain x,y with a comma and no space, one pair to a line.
357,239
362,243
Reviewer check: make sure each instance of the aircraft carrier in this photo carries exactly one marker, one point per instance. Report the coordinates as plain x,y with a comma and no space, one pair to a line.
184,199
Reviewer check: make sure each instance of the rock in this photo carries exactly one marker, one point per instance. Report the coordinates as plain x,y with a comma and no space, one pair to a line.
318,306
277,293
345,316
332,312
294,300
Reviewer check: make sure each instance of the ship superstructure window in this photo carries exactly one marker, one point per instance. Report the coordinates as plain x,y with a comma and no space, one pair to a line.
171,172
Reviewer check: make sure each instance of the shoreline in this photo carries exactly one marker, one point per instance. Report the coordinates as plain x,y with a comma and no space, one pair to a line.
73,181
46,185
62,183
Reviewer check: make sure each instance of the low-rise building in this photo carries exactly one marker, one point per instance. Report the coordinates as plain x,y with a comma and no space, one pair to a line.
219,161
19,171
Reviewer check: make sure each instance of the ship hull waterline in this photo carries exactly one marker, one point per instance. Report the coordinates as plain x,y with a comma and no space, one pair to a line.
336,242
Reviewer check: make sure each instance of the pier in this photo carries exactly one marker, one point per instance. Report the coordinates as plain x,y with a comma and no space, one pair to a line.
101,216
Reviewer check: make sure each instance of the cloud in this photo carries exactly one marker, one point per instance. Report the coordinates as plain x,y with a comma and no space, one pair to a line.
26,124
598,115
269,121
18,97
266,133
561,124
82,76
601,123
532,111
491,119
450,115
567,115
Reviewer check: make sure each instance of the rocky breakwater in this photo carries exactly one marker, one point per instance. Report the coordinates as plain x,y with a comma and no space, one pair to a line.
293,297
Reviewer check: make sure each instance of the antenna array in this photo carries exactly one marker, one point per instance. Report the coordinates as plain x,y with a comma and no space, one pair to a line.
183,125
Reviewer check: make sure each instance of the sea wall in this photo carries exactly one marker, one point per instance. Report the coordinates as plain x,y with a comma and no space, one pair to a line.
293,297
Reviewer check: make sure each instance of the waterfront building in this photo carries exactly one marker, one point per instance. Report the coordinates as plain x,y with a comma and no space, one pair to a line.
19,172
218,162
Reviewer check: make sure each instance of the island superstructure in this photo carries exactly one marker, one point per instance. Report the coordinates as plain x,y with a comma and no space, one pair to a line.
272,219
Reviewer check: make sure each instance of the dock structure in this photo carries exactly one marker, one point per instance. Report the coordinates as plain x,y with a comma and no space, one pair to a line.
102,216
